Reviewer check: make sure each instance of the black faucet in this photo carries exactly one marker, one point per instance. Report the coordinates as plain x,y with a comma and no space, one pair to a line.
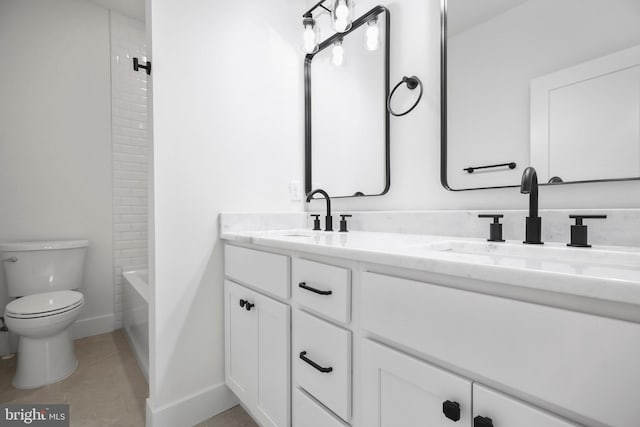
328,220
529,186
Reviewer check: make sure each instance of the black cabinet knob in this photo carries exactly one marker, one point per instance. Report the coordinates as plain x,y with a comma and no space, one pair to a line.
246,305
451,410
482,422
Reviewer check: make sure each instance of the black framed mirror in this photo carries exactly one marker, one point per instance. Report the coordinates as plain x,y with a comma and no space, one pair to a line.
553,84
347,136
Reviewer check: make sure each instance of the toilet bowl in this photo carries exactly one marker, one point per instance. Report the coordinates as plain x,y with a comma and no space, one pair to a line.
43,323
43,277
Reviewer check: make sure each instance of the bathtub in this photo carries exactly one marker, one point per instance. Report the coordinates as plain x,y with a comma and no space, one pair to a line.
135,313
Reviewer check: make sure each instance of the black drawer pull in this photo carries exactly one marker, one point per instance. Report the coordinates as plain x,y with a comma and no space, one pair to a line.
482,422
304,286
303,356
451,410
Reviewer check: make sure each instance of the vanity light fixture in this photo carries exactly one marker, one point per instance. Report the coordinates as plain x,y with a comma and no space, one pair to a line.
342,15
311,35
372,35
337,53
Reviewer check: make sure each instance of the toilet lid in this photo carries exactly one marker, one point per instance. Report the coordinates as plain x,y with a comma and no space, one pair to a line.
46,304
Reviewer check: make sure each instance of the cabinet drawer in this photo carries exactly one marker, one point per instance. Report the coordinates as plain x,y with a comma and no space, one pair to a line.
506,411
307,413
328,347
263,270
323,288
583,363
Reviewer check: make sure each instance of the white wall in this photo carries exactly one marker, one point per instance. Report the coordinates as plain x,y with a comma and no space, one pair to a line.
55,137
228,136
415,139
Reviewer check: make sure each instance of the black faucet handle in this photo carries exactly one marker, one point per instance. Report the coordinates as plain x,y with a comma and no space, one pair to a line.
579,218
316,222
579,236
496,217
495,228
343,222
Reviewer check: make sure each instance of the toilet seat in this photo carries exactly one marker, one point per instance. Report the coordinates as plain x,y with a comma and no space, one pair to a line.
44,305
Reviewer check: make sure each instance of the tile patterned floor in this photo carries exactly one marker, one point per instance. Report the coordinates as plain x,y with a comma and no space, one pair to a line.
107,390
234,417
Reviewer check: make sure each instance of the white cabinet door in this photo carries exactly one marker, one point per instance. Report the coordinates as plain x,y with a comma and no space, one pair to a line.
257,349
241,343
493,409
401,391
273,362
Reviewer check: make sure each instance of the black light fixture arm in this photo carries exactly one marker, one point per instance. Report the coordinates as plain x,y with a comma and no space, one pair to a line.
309,13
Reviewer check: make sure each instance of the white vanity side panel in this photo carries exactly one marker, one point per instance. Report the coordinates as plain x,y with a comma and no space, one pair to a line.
586,364
323,277
505,411
328,346
263,270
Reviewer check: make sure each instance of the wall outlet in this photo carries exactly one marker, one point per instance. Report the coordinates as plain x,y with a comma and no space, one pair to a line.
295,191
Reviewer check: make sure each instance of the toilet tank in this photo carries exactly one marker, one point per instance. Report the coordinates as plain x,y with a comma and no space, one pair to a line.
46,266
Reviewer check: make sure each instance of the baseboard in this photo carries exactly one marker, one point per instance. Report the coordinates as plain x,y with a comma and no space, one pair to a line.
93,326
192,409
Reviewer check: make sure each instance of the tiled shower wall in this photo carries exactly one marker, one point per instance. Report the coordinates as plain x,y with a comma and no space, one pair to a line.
130,151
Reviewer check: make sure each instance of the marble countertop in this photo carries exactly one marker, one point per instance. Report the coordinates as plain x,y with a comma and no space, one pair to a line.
609,273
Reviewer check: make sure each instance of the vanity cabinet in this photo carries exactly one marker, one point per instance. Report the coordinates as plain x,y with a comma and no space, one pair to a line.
313,341
399,390
257,335
574,361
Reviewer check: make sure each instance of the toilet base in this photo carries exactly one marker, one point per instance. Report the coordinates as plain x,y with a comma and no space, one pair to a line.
43,361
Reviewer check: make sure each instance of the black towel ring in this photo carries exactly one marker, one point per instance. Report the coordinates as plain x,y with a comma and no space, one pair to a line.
412,83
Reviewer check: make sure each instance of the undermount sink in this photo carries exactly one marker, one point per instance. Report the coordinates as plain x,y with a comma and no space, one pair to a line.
550,253
297,235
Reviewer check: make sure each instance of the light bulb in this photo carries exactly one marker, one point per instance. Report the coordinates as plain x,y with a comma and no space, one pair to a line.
342,15
341,25
310,36
372,36
337,54
342,10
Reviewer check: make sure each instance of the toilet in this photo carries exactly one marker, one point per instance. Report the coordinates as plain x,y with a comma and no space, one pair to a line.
44,278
